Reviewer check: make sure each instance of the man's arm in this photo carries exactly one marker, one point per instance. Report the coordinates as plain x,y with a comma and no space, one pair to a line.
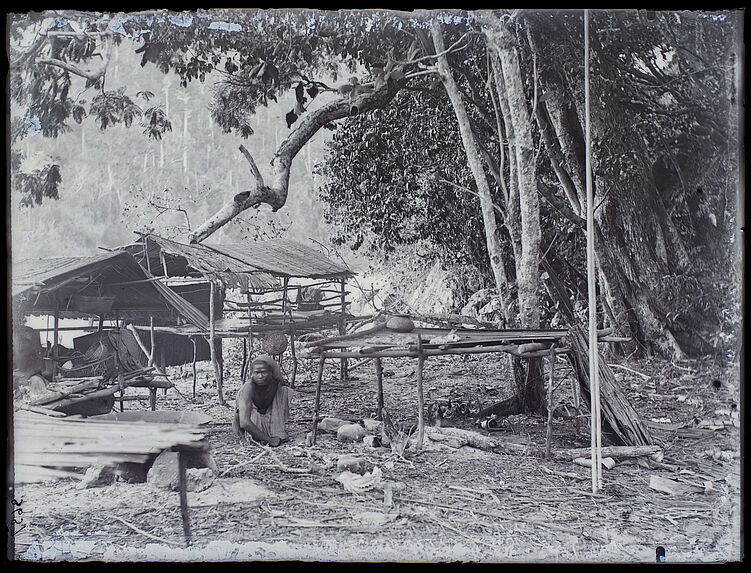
244,400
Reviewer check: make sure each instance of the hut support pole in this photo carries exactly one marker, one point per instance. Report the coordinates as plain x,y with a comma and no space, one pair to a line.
212,343
317,405
420,396
342,327
293,353
146,254
195,356
250,340
56,331
551,381
594,378
285,288
153,340
379,381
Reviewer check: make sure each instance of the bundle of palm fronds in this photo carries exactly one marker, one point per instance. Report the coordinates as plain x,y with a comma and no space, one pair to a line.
395,436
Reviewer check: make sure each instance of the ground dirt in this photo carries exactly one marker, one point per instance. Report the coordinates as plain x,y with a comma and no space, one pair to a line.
449,504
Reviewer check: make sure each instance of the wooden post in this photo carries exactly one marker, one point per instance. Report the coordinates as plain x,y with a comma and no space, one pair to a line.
195,355
164,263
152,398
379,381
153,340
121,384
293,353
183,487
420,397
212,344
551,380
250,339
594,378
317,404
55,334
285,286
244,363
342,328
146,254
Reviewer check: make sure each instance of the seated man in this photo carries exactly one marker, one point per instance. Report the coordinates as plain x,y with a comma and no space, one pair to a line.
263,404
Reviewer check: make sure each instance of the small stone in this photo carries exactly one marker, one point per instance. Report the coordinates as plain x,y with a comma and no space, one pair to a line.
331,425
372,441
97,476
198,479
353,464
163,472
350,433
372,426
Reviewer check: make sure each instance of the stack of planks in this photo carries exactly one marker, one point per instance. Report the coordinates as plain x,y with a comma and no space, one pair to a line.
47,448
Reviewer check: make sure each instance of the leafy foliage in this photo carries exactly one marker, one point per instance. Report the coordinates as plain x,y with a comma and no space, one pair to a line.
37,185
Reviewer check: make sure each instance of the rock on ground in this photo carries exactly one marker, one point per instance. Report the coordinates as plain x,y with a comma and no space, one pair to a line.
350,433
354,464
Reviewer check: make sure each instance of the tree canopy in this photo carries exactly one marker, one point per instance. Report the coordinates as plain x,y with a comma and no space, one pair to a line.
664,124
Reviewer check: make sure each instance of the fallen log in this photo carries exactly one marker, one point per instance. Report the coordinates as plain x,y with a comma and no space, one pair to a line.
457,438
610,451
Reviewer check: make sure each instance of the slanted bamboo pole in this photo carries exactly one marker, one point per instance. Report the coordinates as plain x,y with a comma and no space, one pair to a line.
146,254
594,378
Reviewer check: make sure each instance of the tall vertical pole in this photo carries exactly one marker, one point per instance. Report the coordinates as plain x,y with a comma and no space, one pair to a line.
420,395
250,339
55,334
594,377
212,342
379,380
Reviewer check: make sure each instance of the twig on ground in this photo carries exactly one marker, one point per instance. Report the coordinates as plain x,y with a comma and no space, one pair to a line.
284,467
145,533
255,459
645,376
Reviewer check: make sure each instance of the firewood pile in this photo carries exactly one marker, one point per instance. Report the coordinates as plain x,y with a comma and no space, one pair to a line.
47,447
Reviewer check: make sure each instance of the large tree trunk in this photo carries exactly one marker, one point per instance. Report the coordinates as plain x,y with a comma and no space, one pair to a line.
505,61
503,45
474,159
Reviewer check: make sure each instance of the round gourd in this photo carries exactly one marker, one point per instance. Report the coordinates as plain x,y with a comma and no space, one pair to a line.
275,343
400,324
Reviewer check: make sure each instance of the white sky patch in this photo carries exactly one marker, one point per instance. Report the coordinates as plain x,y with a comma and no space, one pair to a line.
228,26
182,20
